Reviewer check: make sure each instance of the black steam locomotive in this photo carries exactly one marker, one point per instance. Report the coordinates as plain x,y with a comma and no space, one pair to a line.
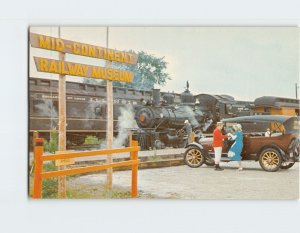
160,121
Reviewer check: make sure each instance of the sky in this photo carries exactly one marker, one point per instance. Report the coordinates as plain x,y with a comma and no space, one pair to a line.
244,62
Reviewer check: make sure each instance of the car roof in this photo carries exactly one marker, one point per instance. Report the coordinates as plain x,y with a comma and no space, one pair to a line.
259,118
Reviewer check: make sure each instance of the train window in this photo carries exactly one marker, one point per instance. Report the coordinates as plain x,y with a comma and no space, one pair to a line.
267,109
82,86
229,109
91,88
55,105
53,83
101,89
98,111
72,86
36,106
221,108
32,82
45,83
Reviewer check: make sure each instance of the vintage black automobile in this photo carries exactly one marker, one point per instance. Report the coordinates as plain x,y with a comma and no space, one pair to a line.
279,150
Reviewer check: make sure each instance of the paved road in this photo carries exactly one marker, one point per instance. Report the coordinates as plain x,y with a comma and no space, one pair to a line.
182,182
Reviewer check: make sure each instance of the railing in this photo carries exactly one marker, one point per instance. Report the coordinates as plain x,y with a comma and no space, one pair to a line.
39,158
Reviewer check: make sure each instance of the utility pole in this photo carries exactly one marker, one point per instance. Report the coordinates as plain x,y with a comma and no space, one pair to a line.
110,121
61,123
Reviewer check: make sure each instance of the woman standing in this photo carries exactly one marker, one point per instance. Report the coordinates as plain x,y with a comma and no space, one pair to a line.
235,151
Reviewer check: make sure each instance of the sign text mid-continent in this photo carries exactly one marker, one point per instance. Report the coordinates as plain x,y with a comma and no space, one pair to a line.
82,70
72,47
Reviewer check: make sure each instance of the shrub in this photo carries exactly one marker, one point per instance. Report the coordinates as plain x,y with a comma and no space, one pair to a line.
49,186
91,140
52,145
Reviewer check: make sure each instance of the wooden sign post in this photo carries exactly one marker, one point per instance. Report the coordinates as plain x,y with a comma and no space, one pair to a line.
61,124
110,131
110,122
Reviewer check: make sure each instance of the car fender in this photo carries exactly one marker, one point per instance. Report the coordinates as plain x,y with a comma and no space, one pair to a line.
295,146
195,144
205,153
273,146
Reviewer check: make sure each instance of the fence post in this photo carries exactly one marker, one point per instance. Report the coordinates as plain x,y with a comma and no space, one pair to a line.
35,135
38,168
134,170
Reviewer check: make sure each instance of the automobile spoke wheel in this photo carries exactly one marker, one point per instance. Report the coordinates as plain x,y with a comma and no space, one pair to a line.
193,157
270,160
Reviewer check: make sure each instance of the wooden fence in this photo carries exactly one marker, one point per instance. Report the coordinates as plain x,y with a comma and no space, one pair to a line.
40,157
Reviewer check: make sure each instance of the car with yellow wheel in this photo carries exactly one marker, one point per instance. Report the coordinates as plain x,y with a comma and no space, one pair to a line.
279,150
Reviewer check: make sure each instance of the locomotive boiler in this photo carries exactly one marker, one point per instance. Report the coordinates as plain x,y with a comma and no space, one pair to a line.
161,121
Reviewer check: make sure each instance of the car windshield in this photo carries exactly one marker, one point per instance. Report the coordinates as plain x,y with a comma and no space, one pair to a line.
292,125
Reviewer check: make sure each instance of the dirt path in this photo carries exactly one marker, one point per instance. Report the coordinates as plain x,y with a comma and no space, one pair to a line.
183,182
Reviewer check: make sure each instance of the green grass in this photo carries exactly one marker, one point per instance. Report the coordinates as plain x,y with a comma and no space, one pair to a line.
78,190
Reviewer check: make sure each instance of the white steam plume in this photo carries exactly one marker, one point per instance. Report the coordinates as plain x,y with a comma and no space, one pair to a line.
47,108
207,124
125,121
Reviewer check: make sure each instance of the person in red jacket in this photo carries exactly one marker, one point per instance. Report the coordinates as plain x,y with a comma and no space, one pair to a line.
218,144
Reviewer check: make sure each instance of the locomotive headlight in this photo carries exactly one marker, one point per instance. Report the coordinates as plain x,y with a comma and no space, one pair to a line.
142,117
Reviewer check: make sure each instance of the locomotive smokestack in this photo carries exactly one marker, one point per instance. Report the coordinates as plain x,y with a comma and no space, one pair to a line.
156,96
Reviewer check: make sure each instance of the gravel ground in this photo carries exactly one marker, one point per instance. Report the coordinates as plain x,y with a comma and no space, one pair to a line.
183,182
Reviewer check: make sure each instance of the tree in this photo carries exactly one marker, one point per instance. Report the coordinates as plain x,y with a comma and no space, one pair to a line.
148,71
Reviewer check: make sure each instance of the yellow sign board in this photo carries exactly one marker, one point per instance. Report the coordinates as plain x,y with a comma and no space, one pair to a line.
64,162
82,70
72,47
